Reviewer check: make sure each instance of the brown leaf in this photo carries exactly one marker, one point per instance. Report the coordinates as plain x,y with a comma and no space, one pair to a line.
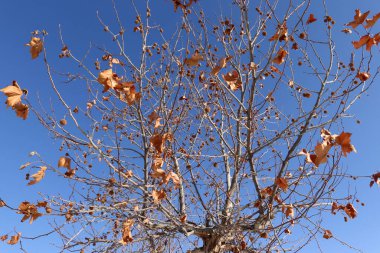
280,57
37,177
221,64
127,232
281,33
233,80
359,18
158,141
153,117
193,60
344,140
311,19
346,31
13,93
14,239
371,21
361,42
350,211
127,92
375,178
3,237
158,195
36,46
29,211
21,110
109,79
64,162
267,191
363,76
289,212
327,234
282,183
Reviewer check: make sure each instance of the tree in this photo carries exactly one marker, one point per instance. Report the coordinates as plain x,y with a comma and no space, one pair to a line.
214,135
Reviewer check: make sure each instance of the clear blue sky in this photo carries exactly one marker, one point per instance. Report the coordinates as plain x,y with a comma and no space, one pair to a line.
80,27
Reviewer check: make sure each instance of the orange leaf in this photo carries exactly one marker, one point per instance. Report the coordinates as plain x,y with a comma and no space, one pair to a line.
281,33
221,64
363,76
280,57
327,234
36,46
193,60
3,237
158,195
37,177
127,232
108,79
127,92
358,19
344,140
282,183
64,162
361,42
233,80
311,19
14,239
371,22
13,93
350,211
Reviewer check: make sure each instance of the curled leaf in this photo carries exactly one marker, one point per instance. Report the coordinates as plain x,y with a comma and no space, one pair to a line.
14,239
327,234
359,18
127,232
36,46
37,177
221,64
193,60
280,57
311,19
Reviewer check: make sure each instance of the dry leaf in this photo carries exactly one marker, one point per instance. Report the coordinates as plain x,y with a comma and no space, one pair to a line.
368,41
281,33
127,232
158,141
153,117
371,22
282,183
289,212
36,46
13,93
193,60
346,31
64,162
344,140
233,80
21,110
350,211
158,195
358,19
127,92
14,239
221,64
3,237
280,57
29,211
37,177
327,234
109,79
363,76
311,19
